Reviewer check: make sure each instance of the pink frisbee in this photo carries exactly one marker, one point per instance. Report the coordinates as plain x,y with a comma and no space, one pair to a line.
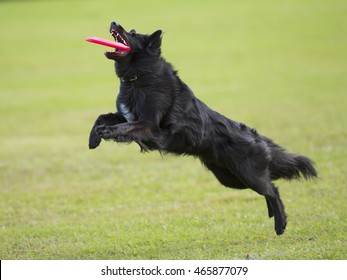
108,43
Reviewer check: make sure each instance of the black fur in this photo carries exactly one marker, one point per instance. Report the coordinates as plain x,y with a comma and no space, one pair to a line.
160,112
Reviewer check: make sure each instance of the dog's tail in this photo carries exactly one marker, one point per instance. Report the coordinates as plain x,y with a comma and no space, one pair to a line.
289,166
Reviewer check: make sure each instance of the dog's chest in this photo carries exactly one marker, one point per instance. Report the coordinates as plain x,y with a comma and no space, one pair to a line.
126,112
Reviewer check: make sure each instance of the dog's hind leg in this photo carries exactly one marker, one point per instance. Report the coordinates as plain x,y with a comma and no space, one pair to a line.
254,172
278,210
261,186
280,214
274,203
269,208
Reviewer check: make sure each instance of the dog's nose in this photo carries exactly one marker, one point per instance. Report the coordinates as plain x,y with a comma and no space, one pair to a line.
116,25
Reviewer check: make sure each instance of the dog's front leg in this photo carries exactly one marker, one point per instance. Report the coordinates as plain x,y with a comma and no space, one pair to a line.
136,131
105,119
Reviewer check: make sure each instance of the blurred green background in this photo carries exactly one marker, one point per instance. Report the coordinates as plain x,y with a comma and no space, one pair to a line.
279,66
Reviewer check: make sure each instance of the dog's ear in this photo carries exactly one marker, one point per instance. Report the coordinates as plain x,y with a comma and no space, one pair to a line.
154,40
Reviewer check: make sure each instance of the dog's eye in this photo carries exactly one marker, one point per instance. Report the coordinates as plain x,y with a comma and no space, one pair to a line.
132,32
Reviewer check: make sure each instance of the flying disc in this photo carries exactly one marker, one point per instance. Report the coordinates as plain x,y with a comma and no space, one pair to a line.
108,43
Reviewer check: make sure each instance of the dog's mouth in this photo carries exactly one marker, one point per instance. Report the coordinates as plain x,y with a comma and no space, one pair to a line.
119,39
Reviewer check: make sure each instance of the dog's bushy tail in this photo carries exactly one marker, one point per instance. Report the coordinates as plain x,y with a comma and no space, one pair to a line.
289,166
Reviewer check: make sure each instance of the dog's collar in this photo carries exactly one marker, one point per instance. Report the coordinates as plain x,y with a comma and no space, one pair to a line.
128,80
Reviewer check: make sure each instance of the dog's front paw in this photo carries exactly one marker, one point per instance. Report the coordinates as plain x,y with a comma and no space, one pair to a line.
94,140
105,132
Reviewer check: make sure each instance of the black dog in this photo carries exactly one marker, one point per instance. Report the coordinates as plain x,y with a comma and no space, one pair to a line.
160,112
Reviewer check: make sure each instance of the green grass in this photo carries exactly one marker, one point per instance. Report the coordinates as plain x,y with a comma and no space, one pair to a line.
279,66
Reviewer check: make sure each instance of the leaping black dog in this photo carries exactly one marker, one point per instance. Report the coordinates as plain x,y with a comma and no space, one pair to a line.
158,111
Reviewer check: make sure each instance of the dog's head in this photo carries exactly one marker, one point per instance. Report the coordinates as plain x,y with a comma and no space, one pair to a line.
140,45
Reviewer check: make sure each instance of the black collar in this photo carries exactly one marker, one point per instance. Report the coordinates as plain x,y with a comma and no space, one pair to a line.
128,80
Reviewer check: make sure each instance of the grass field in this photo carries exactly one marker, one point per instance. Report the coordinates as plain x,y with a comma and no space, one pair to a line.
279,66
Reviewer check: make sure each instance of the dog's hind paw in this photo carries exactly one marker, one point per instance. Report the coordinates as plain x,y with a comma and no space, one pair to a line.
280,226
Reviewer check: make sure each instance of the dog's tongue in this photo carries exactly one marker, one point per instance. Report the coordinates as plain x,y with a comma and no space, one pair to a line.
108,43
